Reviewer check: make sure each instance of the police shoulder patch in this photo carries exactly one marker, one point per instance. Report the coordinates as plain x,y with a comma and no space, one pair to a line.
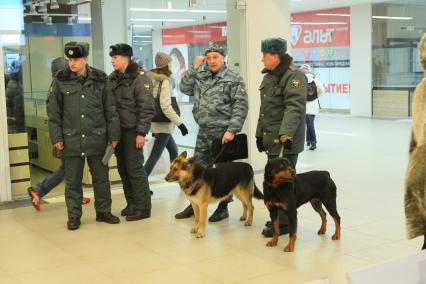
141,73
147,87
295,83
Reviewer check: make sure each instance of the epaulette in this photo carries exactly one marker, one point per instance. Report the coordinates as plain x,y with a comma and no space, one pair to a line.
293,68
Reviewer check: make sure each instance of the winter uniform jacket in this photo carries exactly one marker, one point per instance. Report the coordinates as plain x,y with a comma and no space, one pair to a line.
312,107
415,189
165,103
282,108
132,92
220,101
82,113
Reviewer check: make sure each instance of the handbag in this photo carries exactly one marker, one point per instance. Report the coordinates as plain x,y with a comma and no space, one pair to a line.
235,150
159,115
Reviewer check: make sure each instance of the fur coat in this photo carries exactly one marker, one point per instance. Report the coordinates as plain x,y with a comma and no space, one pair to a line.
415,189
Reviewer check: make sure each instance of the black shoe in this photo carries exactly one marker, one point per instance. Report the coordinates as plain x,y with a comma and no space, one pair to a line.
308,143
73,223
139,215
219,214
269,231
186,213
128,210
313,146
107,218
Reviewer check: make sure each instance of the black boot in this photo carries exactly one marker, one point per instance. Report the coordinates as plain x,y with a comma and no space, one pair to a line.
73,223
313,146
269,231
107,218
186,213
219,214
139,215
128,210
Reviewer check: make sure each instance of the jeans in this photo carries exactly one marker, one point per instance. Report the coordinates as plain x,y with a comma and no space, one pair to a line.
162,140
51,181
310,129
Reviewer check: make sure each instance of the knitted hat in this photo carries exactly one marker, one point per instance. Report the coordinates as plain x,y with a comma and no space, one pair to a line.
58,64
122,49
76,49
215,48
274,45
162,59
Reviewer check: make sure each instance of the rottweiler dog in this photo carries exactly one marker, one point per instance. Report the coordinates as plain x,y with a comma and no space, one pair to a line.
283,189
203,186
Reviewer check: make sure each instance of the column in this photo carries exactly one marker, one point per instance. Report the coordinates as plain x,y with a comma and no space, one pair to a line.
361,60
246,29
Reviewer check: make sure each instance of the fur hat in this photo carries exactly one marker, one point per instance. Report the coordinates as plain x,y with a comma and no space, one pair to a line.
162,59
215,48
75,49
122,49
274,45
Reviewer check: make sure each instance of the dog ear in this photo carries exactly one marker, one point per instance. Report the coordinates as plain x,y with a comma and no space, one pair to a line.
183,154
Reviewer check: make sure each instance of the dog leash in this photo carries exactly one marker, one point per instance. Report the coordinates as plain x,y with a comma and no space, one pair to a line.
220,153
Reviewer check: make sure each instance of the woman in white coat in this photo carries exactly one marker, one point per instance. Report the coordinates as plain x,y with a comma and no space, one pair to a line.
312,107
161,77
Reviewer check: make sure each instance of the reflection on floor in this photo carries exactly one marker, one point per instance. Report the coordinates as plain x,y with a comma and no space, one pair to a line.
367,159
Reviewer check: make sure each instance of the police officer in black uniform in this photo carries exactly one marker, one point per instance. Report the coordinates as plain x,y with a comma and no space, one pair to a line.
82,121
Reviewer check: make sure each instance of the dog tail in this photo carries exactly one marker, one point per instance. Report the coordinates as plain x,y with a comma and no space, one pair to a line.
257,193
333,188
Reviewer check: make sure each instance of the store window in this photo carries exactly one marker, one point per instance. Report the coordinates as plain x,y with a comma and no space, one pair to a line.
33,33
397,30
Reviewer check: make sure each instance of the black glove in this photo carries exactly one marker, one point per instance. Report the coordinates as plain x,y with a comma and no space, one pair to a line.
259,144
183,129
286,141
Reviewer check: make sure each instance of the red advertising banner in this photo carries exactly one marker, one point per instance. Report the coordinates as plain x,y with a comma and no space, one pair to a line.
323,28
195,34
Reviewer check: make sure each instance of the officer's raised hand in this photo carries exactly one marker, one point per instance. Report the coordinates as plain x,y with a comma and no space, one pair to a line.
198,61
140,141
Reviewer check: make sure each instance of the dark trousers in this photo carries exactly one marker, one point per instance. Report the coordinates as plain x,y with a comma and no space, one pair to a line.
131,170
100,180
282,217
162,141
310,129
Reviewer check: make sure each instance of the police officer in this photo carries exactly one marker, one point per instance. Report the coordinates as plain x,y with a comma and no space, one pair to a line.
132,91
220,109
281,122
82,121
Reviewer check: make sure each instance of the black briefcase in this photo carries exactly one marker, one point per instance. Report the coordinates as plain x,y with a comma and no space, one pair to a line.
235,150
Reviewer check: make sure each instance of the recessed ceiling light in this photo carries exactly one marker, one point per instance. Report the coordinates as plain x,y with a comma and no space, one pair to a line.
392,18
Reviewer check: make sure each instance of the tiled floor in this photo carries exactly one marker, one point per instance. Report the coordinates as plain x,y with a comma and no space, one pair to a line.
366,157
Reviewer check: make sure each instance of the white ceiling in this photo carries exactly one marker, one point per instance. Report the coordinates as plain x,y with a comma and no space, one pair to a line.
220,5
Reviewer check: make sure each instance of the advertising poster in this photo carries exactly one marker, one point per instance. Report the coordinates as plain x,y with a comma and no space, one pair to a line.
322,39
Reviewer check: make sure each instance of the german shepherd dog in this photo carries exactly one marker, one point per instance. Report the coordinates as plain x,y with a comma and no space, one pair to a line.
203,186
285,190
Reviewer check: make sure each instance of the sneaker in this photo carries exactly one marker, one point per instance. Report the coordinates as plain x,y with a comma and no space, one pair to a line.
73,223
85,200
186,213
313,146
107,218
219,214
35,198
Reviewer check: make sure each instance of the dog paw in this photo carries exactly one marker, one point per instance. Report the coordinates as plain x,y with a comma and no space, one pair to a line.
247,223
272,243
199,235
335,237
288,248
322,231
194,230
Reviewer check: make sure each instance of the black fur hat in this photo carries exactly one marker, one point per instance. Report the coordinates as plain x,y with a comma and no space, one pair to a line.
274,45
75,49
121,49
